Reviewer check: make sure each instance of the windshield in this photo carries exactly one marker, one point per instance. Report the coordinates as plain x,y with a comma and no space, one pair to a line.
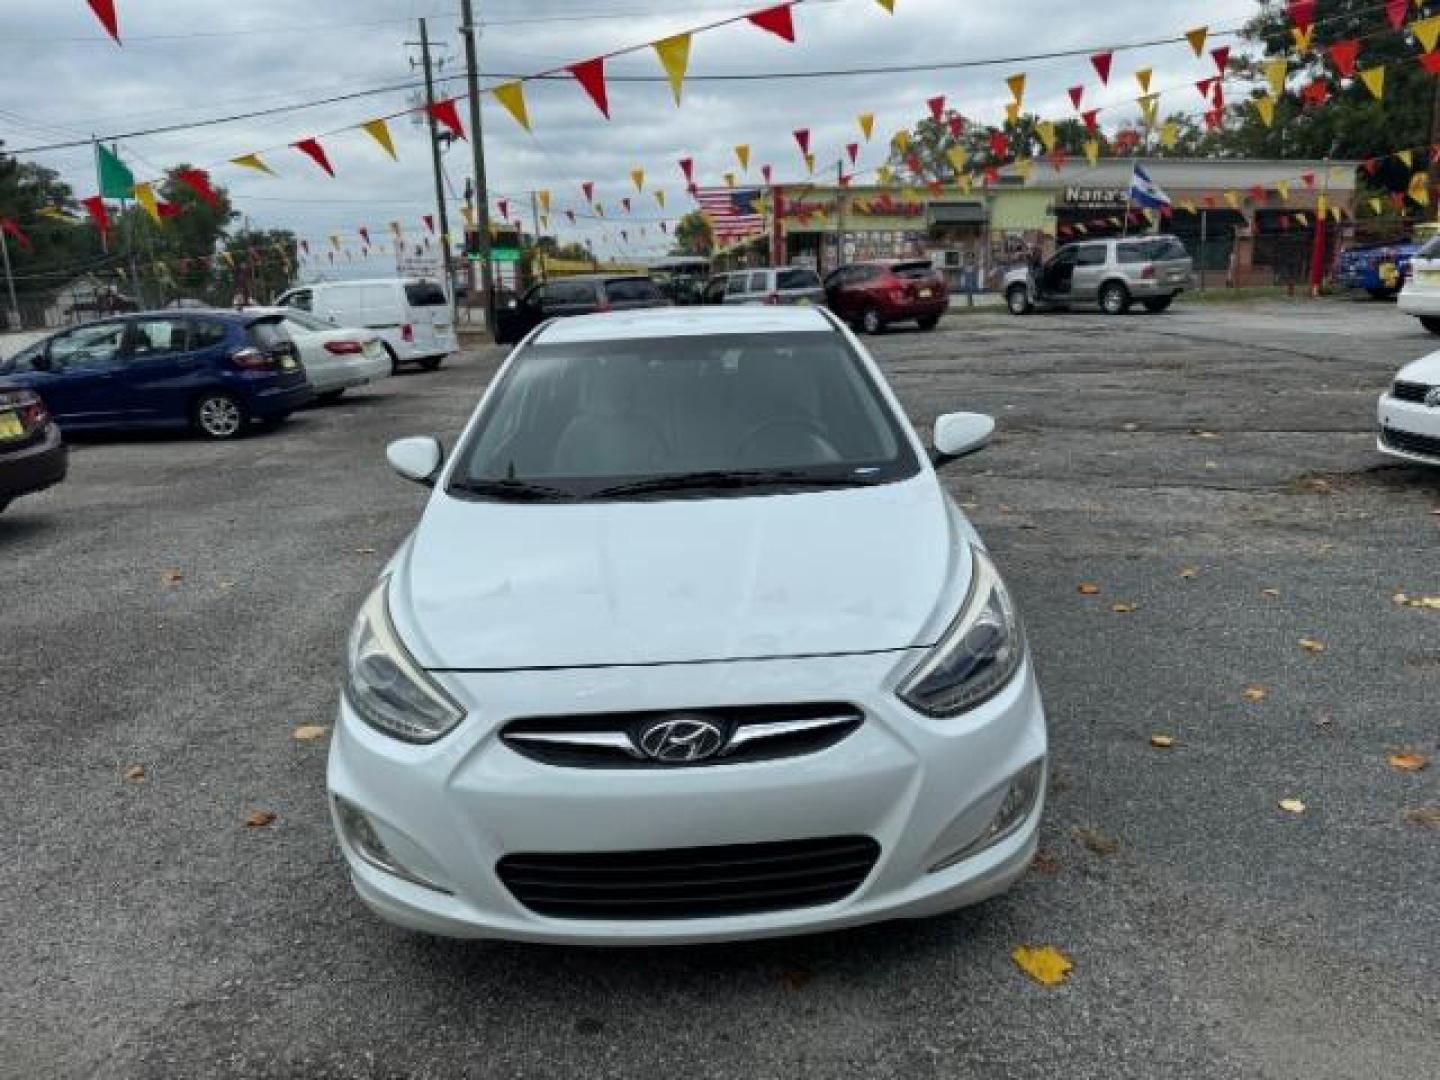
577,419
305,321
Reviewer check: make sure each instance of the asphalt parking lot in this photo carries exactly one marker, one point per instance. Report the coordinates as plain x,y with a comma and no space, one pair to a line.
182,606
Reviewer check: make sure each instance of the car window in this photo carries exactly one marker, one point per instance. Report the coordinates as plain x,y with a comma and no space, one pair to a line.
913,271
572,292
157,337
300,298
207,333
797,277
1064,257
867,273
632,290
759,281
268,332
94,346
424,294
735,284
303,321
836,278
1091,255
580,417
24,360
1158,249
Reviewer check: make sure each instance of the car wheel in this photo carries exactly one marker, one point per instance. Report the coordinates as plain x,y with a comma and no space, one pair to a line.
870,321
929,322
219,415
1114,299
1430,323
1018,300
1383,294
1158,304
331,396
394,359
430,363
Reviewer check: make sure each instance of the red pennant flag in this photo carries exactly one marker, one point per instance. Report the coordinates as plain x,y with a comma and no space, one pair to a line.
447,112
1210,201
1345,53
1221,56
765,172
777,20
430,223
1308,179
1213,119
1167,211
957,126
1431,62
694,192
1076,93
687,166
312,149
802,136
853,151
992,174
198,180
13,229
1102,61
845,179
591,75
503,206
1395,11
934,186
1257,192
999,144
1317,93
913,163
1218,97
105,11
365,235
1058,158
937,107
168,209
95,205
1370,165
588,187
1302,14
1397,200
1092,119
1206,86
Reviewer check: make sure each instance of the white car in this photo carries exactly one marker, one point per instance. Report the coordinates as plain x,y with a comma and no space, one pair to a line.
413,317
1409,413
1420,296
690,644
335,358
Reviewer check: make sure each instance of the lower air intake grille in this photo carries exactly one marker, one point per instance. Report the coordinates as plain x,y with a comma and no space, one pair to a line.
1423,445
1410,391
690,883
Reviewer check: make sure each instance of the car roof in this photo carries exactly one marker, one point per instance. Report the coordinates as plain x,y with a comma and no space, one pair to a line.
367,281
639,275
684,322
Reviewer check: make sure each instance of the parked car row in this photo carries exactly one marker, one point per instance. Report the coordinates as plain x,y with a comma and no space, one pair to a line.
1112,273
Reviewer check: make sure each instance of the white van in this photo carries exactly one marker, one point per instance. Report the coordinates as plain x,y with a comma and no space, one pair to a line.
411,315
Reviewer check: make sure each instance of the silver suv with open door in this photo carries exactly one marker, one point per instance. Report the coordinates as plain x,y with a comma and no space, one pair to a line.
1115,273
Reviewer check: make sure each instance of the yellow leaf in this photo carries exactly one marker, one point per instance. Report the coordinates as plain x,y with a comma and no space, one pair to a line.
258,819
1409,760
1292,806
172,577
365,551
1428,816
1045,964
1190,572
135,774
308,732
1123,607
1310,644
1089,589
1270,594
1256,693
1162,742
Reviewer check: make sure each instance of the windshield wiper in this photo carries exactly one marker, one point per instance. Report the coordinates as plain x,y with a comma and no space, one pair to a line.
732,478
511,490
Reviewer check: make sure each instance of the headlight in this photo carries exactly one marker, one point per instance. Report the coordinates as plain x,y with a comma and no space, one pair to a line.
979,653
385,685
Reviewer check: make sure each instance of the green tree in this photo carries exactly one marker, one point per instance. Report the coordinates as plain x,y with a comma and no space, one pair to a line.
180,242
261,265
930,143
60,248
693,235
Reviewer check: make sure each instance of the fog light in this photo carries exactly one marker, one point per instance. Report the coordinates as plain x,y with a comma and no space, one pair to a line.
1021,794
365,841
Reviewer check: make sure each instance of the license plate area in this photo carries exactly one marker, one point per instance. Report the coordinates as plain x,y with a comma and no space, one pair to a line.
10,426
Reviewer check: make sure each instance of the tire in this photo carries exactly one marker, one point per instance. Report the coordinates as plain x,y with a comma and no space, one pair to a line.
1114,298
1383,294
330,396
871,322
929,322
1158,304
1018,300
218,415
4,503
430,363
394,359
1430,323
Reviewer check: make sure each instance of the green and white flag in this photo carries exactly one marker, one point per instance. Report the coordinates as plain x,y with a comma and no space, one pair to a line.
116,179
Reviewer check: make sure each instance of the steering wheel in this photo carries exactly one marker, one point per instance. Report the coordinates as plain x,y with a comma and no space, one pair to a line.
790,423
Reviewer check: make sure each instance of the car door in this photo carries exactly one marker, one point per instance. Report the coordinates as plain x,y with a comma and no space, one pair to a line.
519,317
81,375
835,286
1089,274
159,370
1057,274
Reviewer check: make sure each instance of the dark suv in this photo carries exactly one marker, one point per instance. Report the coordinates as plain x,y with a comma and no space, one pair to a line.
872,295
583,295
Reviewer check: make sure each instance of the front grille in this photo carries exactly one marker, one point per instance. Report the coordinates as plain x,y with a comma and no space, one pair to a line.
1410,391
740,733
690,883
1408,441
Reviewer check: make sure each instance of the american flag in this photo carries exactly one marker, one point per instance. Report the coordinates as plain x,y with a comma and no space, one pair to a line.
734,213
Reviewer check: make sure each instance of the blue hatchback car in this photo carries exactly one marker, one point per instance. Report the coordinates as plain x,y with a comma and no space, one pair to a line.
213,371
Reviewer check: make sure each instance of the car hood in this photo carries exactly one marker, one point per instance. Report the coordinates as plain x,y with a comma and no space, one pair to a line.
500,586
1424,370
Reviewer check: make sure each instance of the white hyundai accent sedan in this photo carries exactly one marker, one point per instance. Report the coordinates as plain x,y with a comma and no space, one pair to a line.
690,644
1409,413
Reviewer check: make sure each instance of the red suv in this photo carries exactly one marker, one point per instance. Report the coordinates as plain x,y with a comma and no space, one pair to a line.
871,295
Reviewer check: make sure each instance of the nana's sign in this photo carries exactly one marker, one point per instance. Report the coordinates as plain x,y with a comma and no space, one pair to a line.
1093,196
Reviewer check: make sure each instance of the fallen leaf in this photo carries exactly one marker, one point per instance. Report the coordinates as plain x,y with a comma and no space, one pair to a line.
1319,486
1096,841
1256,693
258,819
1123,607
1045,863
1409,760
1212,464
796,978
308,732
1310,644
970,506
1188,572
1088,589
1162,742
1428,816
226,584
1292,806
172,577
1270,594
1129,427
1200,433
135,774
1432,602
365,551
1045,964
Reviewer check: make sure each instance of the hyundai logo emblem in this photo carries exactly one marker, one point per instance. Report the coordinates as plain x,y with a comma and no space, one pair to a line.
1432,397
679,739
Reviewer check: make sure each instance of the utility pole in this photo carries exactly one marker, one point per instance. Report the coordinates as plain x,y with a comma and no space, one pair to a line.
535,220
477,144
444,218
10,283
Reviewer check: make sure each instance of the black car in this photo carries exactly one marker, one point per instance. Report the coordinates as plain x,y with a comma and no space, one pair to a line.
32,456
582,295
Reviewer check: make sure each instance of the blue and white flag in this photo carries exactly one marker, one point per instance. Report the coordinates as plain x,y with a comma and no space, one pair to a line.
1146,192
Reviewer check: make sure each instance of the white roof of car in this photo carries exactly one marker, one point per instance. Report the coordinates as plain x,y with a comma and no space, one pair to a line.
684,322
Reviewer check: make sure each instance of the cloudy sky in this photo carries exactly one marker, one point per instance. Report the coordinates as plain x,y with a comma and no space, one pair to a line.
188,60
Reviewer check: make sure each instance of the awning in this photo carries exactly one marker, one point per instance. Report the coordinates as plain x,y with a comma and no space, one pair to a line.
957,213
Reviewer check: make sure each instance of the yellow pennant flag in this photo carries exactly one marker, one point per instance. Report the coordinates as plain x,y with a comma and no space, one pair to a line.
964,182
674,53
1149,107
888,5
1283,187
1302,37
1377,206
1419,189
1188,205
1046,130
1016,83
1265,106
660,197
1197,38
1233,198
1143,78
1427,32
810,164
1012,112
1303,219
379,130
1322,205
1169,134
1407,156
1025,169
902,141
468,213
742,155
544,197
867,125
512,96
729,179
638,177
957,157
252,161
1275,72
1374,80
145,196
1092,151
884,174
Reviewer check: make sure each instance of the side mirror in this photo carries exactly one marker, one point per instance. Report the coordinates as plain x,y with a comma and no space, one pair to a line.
417,458
958,434
41,362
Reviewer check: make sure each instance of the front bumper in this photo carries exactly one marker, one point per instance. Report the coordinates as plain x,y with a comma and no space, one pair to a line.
1419,301
922,788
1408,430
34,467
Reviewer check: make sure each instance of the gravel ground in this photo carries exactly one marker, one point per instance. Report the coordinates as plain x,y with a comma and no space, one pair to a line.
182,606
